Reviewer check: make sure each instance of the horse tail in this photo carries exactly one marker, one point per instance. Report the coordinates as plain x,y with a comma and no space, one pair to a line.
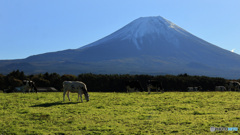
35,88
64,84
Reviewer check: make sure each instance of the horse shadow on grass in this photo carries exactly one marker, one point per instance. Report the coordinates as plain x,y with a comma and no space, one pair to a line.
54,104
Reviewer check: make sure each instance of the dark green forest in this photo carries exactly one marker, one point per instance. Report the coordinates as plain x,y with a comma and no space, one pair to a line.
110,83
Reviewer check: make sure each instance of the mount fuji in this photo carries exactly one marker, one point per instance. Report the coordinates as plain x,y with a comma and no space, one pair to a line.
147,45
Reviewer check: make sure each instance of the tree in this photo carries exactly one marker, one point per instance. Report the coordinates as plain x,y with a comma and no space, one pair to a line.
40,81
55,81
13,83
67,77
2,82
17,74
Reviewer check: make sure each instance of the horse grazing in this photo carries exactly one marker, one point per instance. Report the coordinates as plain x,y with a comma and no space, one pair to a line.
28,86
133,86
75,86
154,85
192,89
220,88
233,85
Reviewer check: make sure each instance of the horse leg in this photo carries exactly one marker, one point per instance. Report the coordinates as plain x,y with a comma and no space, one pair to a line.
64,93
149,90
68,96
80,95
35,88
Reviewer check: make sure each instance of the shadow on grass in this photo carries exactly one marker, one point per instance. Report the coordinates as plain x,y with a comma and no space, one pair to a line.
54,104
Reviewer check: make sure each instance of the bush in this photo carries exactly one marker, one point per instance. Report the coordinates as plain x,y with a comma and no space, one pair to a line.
111,83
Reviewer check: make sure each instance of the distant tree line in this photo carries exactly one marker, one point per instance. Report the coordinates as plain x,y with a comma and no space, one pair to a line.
110,83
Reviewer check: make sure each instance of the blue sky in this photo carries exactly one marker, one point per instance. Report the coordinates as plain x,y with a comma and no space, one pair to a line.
29,27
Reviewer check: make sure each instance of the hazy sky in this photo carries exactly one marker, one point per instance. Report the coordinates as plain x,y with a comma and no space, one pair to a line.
29,27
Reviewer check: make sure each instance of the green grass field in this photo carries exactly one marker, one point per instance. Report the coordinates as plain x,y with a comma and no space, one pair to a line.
119,113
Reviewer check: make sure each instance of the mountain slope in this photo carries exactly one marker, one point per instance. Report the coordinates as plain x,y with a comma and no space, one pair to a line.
147,45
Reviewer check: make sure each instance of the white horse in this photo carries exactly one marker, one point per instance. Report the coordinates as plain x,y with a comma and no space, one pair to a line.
75,86
233,85
191,89
154,85
220,88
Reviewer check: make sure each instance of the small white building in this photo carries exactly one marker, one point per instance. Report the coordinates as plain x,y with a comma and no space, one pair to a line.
40,89
46,89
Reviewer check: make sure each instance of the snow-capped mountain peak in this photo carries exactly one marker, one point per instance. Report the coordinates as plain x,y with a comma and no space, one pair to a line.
147,25
153,27
147,45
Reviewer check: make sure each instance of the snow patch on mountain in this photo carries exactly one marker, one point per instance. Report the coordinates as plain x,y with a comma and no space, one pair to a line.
158,26
145,26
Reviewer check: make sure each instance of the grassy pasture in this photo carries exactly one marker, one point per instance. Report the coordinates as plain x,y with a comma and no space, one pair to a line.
119,113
